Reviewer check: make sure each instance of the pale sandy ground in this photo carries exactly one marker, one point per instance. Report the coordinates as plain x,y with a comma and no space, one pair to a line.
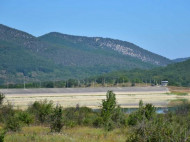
126,97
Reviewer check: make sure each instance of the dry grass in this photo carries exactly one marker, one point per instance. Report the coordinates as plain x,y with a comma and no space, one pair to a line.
77,134
179,89
94,100
177,102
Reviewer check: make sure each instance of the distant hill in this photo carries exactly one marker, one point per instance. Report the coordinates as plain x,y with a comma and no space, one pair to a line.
105,44
180,59
56,56
177,74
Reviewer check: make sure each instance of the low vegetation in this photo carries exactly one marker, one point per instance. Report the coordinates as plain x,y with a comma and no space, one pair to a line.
45,122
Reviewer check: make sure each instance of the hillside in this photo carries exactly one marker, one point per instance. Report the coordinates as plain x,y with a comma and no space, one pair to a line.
105,44
180,59
177,74
56,56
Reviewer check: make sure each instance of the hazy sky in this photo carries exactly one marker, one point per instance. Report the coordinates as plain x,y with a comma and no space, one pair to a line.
160,26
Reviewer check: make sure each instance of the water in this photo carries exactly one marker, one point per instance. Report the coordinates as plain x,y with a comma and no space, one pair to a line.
159,110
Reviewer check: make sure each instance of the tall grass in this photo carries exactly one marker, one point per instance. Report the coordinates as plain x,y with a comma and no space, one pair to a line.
77,134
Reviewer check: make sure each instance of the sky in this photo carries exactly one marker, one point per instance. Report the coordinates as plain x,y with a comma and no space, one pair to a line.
160,26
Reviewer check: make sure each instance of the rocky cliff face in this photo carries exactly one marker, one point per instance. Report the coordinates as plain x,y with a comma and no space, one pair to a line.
125,50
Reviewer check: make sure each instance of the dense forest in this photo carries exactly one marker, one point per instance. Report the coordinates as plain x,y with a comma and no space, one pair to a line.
177,74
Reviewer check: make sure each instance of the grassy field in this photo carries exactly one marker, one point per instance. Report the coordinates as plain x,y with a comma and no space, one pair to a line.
77,134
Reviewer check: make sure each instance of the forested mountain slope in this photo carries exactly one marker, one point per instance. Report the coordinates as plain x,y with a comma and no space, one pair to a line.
56,56
180,59
177,74
109,45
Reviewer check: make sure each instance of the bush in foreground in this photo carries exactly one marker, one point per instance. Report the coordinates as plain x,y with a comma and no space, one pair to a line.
42,110
82,116
13,124
146,112
2,97
2,135
56,122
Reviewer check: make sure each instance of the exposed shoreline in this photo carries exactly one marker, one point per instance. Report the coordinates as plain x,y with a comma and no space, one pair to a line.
127,97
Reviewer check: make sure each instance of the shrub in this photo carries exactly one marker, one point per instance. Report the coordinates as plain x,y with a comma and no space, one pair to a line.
159,129
13,124
119,118
25,117
144,112
2,135
2,97
57,119
184,108
6,111
78,116
98,122
150,111
42,110
133,84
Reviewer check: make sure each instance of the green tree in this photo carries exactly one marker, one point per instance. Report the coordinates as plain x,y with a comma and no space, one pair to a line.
108,107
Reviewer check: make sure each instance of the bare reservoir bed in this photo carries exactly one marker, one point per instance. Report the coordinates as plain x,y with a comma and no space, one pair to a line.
127,97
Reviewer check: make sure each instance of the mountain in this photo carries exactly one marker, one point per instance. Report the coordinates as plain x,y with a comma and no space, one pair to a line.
177,74
57,56
107,44
180,59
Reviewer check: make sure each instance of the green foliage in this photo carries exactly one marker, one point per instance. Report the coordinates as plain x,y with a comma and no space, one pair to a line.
42,110
177,74
108,107
133,84
79,116
14,119
13,123
98,122
111,114
160,129
6,111
184,108
25,117
56,122
2,97
119,118
2,135
144,113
